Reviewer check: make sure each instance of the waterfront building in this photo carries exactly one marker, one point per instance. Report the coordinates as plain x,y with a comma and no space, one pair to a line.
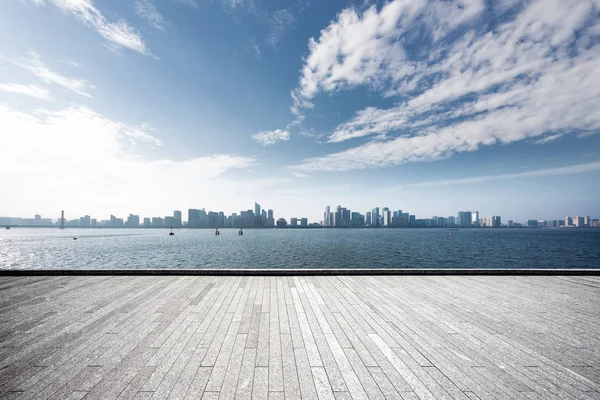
177,221
368,218
133,221
326,216
270,219
85,221
475,216
493,222
116,222
465,219
169,222
193,218
157,222
304,222
387,217
281,223
256,208
294,222
375,217
147,222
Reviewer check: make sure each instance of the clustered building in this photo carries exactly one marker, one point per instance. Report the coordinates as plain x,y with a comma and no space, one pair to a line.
386,218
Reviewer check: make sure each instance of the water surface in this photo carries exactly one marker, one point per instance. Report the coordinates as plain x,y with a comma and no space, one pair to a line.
299,248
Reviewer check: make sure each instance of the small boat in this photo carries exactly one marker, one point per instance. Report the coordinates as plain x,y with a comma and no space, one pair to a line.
74,238
217,233
171,233
241,232
7,227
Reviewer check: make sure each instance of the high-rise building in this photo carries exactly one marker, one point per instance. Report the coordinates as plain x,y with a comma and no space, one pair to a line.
157,222
579,222
270,219
133,221
465,219
475,216
303,222
375,217
193,218
568,221
256,208
368,218
177,221
263,217
147,222
293,222
85,221
387,217
170,222
115,222
495,222
213,219
326,216
221,219
202,219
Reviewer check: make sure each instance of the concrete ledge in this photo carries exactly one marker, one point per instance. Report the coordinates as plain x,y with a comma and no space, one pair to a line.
307,271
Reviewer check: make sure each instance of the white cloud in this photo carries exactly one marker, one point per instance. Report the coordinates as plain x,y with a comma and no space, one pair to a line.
85,161
298,174
548,139
37,67
146,10
535,74
27,90
560,171
191,3
267,138
119,33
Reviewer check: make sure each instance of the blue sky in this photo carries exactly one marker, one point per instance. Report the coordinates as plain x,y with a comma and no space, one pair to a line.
431,107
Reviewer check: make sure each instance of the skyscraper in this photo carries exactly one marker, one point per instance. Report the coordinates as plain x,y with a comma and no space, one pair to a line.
256,209
475,216
465,219
375,217
177,218
270,219
326,216
368,218
193,218
387,217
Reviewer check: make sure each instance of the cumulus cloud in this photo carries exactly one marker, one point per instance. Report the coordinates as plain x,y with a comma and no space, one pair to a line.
119,33
85,161
37,67
146,10
27,90
460,85
268,138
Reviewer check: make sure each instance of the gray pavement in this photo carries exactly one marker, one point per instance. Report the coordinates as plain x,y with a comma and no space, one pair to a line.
292,337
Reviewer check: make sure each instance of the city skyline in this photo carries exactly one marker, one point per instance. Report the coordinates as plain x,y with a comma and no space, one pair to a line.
339,217
433,105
